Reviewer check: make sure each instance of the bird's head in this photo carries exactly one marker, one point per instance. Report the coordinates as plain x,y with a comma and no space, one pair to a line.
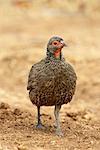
55,46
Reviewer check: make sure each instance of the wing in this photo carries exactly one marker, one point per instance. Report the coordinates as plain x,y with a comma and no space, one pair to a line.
34,73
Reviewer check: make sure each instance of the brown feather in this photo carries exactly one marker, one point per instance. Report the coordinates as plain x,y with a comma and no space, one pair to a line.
51,82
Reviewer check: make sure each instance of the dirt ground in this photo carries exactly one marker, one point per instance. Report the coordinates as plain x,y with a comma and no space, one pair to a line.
24,34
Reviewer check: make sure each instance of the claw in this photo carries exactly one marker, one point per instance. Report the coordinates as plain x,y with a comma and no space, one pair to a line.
39,126
59,133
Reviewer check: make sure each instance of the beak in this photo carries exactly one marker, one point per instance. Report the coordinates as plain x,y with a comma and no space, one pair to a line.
64,44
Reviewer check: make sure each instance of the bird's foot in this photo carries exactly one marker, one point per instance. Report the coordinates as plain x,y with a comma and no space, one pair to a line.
39,126
59,133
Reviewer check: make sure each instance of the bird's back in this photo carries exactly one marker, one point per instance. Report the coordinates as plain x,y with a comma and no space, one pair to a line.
51,82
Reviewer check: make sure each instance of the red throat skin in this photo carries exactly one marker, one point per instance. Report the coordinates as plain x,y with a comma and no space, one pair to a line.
57,53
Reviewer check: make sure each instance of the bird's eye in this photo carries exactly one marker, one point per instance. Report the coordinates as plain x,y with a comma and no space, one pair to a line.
55,43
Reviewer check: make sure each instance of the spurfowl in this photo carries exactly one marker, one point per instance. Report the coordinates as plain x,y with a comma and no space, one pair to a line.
52,81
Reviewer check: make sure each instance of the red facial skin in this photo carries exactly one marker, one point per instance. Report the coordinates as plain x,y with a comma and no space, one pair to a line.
60,45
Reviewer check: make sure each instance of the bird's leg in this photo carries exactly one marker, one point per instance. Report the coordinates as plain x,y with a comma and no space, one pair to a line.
57,121
39,124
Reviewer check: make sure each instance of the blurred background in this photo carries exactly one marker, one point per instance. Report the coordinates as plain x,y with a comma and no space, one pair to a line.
25,28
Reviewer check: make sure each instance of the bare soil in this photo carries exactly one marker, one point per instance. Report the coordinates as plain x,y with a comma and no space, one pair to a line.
24,34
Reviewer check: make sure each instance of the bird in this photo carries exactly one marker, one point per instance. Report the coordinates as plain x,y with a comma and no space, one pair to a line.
52,81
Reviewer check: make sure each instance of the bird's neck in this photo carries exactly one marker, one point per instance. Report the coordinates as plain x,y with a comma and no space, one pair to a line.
55,56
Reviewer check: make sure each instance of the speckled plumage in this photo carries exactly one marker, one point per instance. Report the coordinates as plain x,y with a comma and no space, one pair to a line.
52,81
